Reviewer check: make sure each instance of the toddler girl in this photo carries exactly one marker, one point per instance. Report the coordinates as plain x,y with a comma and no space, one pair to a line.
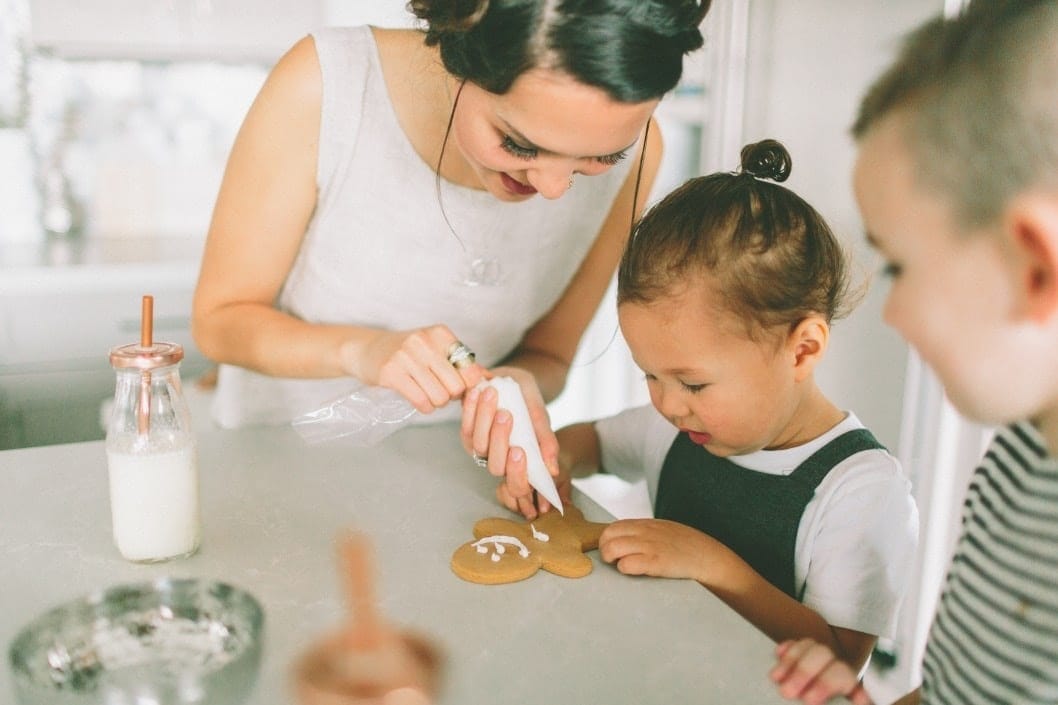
764,491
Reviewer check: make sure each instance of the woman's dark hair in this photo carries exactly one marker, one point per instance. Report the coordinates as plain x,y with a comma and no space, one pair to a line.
770,256
631,49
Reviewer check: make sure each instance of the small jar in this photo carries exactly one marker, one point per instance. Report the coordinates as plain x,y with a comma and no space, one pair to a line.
151,456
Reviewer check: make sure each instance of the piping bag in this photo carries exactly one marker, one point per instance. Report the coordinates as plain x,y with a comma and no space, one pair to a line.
523,436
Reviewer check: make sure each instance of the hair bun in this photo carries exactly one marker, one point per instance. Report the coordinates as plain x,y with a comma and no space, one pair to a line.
449,16
678,21
701,11
767,159
689,40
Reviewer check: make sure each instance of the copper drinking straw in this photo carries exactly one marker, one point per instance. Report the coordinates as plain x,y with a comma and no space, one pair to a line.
143,410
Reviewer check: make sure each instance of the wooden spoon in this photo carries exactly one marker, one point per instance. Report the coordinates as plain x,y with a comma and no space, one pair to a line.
367,661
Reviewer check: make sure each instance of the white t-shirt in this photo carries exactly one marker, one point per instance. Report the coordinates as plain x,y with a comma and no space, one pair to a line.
857,536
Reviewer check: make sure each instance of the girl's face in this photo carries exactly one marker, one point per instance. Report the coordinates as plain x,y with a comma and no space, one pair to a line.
951,295
544,130
731,394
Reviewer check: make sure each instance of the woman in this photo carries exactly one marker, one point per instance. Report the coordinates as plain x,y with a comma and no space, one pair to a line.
394,192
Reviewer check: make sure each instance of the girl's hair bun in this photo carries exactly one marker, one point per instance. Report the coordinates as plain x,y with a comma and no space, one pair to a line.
767,159
450,15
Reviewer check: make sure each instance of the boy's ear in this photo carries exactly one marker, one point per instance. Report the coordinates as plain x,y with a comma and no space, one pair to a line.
1032,224
806,344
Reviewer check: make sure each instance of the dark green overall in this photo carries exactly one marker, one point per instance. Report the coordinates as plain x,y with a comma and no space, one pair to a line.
755,514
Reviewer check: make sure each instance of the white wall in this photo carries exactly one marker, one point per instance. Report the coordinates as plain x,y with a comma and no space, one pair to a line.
809,63
383,13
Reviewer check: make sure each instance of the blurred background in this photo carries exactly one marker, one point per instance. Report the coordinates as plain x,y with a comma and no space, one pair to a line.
116,117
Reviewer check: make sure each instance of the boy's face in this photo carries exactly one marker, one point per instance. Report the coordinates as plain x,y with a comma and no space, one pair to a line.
731,394
951,295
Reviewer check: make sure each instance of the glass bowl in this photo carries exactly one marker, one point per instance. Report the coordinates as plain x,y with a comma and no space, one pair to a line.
168,641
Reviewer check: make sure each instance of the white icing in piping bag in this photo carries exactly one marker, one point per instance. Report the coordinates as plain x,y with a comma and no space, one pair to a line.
523,436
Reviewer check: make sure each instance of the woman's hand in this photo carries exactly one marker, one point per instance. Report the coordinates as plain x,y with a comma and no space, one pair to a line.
810,672
486,433
414,363
516,468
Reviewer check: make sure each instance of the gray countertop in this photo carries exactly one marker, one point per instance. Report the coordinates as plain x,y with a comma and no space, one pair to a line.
272,507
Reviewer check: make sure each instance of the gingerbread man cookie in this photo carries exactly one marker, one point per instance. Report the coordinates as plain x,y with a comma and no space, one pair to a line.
507,551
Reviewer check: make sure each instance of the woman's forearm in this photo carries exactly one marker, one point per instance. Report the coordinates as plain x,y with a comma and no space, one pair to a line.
549,370
269,341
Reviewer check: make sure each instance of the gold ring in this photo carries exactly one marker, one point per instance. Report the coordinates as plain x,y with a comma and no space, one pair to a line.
460,355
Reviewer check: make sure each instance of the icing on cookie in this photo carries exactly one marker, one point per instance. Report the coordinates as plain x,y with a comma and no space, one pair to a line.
497,546
558,546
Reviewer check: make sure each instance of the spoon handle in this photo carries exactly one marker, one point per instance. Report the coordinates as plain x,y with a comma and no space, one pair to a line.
358,564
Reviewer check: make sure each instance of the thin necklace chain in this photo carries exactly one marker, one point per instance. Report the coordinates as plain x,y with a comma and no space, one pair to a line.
482,270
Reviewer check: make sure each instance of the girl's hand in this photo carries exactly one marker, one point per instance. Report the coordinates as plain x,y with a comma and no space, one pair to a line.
661,548
810,672
486,434
414,363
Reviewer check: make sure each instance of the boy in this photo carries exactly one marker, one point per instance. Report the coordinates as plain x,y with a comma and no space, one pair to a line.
957,182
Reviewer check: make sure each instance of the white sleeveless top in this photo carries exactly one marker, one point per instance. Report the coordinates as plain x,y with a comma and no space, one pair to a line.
378,252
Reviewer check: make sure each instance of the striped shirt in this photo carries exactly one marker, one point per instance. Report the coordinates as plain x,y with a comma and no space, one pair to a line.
995,636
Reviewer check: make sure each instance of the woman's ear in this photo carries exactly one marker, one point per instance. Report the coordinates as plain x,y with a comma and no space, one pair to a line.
806,345
1031,224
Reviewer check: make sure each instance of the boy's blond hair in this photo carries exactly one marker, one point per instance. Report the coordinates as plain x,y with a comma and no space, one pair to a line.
979,95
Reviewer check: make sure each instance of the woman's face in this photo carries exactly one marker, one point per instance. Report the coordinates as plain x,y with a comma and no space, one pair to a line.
544,130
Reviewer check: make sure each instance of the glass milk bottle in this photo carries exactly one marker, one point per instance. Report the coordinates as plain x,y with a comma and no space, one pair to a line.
151,459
